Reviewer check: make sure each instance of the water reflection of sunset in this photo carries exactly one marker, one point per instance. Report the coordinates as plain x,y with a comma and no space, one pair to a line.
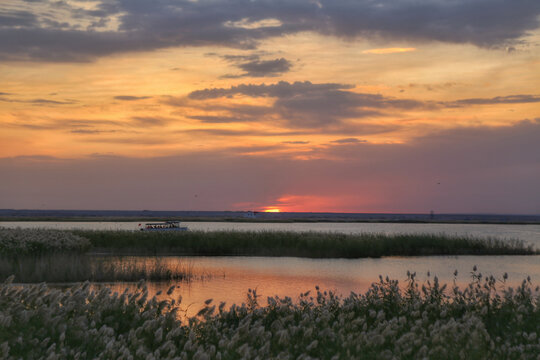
228,279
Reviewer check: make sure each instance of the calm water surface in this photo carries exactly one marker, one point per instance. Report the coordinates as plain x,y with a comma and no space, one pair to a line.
231,277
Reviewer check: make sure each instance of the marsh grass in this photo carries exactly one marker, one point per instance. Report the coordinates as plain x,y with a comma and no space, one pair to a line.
299,244
16,242
68,268
485,320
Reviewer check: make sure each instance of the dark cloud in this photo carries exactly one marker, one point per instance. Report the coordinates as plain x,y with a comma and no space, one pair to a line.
220,119
50,102
295,142
263,68
433,87
72,125
146,26
313,106
308,105
91,131
39,101
131,98
281,89
238,58
149,120
255,149
348,141
480,170
132,140
511,99
17,18
234,133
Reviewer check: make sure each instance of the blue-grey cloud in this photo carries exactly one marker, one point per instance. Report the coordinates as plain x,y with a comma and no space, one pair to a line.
50,102
348,141
263,68
149,120
17,18
145,26
38,101
131,98
91,131
214,119
281,89
510,99
315,106
239,133
72,125
295,142
309,105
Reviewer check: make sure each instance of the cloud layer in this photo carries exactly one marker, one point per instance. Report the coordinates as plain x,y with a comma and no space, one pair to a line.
315,106
62,31
451,171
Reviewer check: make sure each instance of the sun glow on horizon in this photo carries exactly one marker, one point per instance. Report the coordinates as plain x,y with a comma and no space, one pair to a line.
272,210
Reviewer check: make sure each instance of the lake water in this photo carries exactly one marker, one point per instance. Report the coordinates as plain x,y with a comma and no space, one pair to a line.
231,277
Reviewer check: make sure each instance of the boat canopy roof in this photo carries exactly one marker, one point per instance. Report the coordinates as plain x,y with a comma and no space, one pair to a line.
163,223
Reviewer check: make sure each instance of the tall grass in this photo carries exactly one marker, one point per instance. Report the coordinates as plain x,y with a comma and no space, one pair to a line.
304,244
66,268
40,241
37,242
486,320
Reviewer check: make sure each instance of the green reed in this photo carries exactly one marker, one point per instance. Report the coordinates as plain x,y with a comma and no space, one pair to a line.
299,244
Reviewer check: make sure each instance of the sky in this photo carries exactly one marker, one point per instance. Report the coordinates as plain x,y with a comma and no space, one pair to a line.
386,106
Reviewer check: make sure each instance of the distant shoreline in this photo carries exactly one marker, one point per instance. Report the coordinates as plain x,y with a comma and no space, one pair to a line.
261,220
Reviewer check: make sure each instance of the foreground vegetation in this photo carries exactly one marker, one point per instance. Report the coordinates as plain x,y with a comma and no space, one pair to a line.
416,321
305,244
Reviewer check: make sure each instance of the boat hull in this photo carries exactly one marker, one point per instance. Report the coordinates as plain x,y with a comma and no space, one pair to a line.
170,229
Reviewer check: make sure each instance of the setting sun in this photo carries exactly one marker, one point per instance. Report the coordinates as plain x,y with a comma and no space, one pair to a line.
272,210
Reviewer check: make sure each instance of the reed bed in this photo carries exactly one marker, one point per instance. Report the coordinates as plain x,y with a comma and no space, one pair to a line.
40,241
300,244
485,320
69,268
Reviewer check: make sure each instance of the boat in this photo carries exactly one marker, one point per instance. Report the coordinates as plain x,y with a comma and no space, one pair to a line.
163,226
250,214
